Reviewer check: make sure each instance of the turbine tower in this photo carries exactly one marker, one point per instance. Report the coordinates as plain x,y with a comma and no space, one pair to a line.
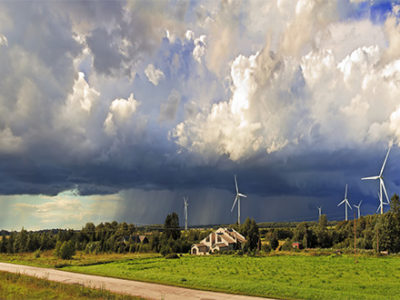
381,183
319,212
237,199
185,203
346,203
358,208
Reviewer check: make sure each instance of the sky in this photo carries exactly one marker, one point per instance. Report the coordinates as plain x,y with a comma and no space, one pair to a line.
116,110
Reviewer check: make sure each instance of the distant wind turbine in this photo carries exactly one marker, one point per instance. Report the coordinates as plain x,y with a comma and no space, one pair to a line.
346,203
381,183
185,203
319,212
237,199
358,208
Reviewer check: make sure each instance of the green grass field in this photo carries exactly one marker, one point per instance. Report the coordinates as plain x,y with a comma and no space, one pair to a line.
17,286
294,277
48,260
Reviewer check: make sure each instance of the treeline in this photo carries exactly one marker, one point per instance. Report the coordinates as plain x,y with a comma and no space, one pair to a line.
378,232
104,238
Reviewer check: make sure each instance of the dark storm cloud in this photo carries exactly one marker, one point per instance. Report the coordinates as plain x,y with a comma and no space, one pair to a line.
53,133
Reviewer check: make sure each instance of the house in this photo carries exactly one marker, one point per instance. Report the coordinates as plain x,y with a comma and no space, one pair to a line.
143,239
136,239
296,245
222,239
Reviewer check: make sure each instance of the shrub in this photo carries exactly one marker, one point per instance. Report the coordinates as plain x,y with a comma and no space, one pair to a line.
266,248
66,251
287,246
37,253
171,256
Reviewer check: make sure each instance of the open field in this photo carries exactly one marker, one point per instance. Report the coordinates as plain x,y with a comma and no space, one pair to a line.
48,260
295,277
17,286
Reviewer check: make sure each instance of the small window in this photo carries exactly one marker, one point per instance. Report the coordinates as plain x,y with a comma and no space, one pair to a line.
208,239
219,239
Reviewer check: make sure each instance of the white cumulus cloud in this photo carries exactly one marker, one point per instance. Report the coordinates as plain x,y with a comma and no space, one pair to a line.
119,112
154,75
3,40
316,99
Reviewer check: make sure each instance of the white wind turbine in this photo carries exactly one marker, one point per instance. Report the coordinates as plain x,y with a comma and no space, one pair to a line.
358,208
185,203
319,212
346,203
237,199
381,183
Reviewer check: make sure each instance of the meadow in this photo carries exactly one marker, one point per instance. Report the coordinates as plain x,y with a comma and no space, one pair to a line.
283,276
17,286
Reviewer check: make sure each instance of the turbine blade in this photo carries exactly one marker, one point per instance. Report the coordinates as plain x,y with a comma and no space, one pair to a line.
368,178
379,207
384,189
359,204
341,202
384,162
242,195
234,203
349,205
345,192
237,190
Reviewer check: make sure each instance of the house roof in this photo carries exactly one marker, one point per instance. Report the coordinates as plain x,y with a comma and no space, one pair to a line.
228,238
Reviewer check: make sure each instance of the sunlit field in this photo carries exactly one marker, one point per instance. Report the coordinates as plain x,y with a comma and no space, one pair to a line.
295,277
49,260
315,275
17,286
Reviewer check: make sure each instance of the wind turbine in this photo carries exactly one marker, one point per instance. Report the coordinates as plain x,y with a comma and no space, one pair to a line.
319,212
381,183
358,208
346,203
185,203
237,199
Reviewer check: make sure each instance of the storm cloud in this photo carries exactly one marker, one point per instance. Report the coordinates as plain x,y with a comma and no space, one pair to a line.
121,108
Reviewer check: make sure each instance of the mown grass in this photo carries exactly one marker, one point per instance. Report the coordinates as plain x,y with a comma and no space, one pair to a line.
286,276
17,286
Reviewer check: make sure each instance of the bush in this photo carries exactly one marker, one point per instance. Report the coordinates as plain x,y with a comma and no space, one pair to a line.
66,251
266,248
287,246
171,256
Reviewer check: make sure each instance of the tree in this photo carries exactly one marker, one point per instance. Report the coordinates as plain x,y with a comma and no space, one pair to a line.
3,244
171,227
273,241
250,230
67,250
392,225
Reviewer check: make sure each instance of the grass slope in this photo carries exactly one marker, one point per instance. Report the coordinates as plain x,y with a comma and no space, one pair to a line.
17,286
293,277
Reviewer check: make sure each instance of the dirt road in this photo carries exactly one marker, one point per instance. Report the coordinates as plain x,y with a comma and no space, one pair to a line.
135,288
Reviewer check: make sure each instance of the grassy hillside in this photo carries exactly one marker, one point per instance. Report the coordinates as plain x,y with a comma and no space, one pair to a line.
17,286
295,277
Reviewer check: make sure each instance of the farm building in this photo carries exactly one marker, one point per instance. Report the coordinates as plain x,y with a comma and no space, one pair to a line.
222,239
